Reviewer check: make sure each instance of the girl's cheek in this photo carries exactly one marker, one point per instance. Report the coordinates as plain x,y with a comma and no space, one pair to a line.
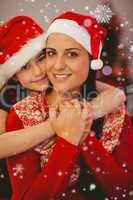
26,78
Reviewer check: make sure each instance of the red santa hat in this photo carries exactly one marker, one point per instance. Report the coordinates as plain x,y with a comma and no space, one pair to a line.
83,29
21,38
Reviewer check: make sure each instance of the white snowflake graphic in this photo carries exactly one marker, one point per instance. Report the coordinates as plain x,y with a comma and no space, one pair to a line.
2,176
102,13
18,170
92,187
131,48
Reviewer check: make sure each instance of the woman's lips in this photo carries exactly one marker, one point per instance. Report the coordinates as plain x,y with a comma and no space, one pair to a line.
61,77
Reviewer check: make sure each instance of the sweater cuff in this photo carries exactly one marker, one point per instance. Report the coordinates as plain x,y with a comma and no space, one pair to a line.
66,145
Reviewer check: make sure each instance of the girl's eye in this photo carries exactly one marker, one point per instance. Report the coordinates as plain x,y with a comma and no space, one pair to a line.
25,67
41,56
72,54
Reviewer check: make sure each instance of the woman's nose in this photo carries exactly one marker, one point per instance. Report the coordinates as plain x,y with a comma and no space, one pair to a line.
59,63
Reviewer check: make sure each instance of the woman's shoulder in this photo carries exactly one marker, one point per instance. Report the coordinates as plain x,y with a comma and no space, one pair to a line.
113,126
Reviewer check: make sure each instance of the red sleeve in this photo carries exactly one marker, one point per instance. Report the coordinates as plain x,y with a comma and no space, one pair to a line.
56,173
114,172
13,122
22,167
30,183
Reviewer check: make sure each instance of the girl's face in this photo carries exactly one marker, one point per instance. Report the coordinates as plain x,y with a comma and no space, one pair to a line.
33,76
67,63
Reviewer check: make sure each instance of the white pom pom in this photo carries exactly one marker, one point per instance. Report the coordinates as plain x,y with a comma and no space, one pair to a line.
96,64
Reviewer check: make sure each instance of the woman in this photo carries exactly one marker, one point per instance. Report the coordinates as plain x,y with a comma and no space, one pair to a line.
29,181
103,153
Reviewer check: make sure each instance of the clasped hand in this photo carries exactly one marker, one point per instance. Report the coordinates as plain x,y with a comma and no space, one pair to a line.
71,120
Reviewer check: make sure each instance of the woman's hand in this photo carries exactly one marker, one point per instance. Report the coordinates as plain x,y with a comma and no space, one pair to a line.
71,122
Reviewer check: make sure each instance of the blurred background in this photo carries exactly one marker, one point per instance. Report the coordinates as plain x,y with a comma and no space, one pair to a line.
115,15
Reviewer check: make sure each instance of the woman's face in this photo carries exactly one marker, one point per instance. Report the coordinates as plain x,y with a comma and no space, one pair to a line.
67,63
33,76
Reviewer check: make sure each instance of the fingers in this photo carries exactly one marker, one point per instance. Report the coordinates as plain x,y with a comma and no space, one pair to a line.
83,109
84,114
76,104
52,113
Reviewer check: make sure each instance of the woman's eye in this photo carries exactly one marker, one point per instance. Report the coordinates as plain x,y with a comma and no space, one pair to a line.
50,53
72,54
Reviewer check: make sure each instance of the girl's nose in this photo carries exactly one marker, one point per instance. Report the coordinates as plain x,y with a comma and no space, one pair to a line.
36,69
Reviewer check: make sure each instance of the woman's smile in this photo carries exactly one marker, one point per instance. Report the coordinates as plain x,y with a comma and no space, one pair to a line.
61,77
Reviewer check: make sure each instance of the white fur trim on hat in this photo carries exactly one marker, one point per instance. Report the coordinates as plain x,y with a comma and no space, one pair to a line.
72,29
20,58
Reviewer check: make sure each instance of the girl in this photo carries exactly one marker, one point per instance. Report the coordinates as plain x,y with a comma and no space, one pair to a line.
23,45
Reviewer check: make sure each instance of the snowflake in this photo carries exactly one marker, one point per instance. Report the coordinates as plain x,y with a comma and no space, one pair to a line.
124,165
59,173
41,11
21,10
57,10
1,176
102,13
85,148
1,22
131,193
46,18
92,187
121,25
84,189
131,48
73,10
47,4
121,46
126,22
18,170
73,191
131,29
86,7
117,188
124,195
98,169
